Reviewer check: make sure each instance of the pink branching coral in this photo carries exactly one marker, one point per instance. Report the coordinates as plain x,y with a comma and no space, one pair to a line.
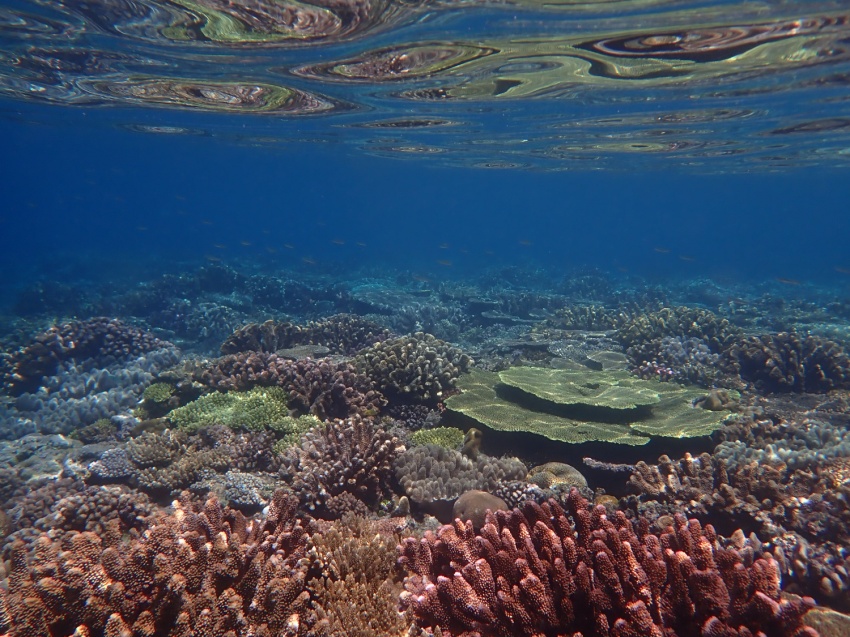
546,572
192,574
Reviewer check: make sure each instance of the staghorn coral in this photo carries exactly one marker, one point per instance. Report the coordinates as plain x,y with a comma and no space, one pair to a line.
355,589
195,572
341,334
547,571
790,362
349,459
324,387
413,369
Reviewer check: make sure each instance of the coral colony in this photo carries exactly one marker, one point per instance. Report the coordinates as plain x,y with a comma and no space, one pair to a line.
520,464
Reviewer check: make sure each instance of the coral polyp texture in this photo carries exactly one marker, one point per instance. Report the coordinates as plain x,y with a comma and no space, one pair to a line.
342,466
577,572
414,369
790,362
341,334
324,387
195,572
102,339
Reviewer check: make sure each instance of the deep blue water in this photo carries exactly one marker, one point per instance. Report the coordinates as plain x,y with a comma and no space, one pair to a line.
77,188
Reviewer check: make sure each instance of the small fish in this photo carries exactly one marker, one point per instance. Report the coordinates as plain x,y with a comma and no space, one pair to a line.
247,244
444,246
212,259
420,278
524,242
338,242
685,257
360,244
271,250
219,246
445,262
288,246
785,281
662,250
206,222
265,231
308,260
838,268
141,228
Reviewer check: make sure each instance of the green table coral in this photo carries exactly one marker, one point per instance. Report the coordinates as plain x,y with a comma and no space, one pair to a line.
255,410
582,406
611,389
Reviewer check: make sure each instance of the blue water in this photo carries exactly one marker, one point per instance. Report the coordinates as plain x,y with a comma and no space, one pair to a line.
77,189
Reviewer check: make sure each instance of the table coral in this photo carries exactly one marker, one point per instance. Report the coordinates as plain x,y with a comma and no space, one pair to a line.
578,572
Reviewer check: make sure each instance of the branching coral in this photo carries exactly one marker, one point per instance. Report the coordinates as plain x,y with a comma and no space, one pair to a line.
342,465
206,572
790,362
324,387
547,571
413,369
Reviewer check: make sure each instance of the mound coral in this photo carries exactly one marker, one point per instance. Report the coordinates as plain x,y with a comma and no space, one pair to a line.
579,572
341,334
413,369
790,362
102,339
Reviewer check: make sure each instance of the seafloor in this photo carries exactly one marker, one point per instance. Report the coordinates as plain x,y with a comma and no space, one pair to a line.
224,452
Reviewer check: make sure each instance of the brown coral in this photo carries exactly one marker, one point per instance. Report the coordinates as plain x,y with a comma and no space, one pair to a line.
196,572
340,464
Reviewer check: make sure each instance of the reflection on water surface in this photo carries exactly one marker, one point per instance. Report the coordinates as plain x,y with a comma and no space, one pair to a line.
720,86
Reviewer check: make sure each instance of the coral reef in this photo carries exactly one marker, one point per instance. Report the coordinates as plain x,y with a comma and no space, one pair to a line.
429,473
342,465
544,570
100,341
790,362
418,369
341,334
325,388
165,463
205,571
717,333
80,393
